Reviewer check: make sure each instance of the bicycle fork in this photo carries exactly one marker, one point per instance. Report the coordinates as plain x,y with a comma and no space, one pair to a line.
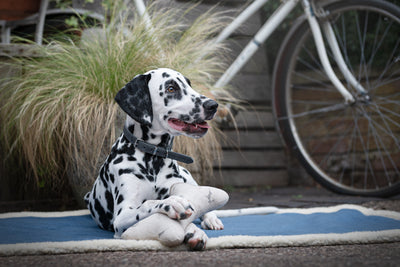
331,39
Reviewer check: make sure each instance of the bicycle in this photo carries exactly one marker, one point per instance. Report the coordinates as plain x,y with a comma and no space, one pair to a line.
335,98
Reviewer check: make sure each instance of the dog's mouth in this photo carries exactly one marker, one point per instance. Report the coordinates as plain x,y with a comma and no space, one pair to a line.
195,129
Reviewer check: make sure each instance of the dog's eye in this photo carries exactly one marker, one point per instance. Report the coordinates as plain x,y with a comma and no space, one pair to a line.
170,89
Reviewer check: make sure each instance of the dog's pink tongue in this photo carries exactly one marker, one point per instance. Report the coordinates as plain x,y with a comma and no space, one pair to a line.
182,126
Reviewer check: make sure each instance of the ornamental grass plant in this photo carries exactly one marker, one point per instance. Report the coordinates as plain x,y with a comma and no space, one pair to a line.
60,116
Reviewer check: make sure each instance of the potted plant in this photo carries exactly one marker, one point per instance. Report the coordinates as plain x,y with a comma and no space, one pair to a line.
60,112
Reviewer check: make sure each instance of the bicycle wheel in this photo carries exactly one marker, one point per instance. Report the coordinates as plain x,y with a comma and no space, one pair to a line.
348,148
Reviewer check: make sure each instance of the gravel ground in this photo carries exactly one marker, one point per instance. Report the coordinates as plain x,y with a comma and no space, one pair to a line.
350,255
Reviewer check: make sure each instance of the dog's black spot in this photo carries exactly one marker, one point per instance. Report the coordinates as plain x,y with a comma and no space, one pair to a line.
137,217
188,81
185,171
94,190
91,210
104,217
118,160
120,199
139,176
173,90
149,211
112,178
167,208
165,102
127,149
145,132
131,158
119,211
124,171
165,75
110,201
163,191
184,117
142,168
116,192
150,178
102,176
152,136
161,93
106,175
169,176
144,200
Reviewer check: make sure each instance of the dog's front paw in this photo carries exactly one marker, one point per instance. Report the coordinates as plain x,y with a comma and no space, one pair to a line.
195,238
210,221
176,208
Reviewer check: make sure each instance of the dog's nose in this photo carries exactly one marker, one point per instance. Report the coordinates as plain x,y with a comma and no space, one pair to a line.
210,107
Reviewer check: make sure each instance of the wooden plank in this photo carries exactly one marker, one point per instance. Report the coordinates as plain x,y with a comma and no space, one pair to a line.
247,178
253,159
19,50
250,119
254,88
251,139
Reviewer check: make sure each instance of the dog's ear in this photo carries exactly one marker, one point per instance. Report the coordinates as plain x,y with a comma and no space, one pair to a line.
134,98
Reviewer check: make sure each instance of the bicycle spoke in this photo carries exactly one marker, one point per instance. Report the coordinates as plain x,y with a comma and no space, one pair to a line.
387,128
313,80
382,144
322,162
388,80
365,151
318,110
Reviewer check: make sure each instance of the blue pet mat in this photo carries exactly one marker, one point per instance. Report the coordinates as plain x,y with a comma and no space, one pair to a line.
319,223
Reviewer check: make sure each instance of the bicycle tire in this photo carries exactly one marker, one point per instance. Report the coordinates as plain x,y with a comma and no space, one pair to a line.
349,149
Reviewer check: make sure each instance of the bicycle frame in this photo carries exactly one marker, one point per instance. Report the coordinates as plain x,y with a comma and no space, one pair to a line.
269,27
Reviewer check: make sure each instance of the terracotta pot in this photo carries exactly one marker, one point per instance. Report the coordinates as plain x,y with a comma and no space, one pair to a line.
18,9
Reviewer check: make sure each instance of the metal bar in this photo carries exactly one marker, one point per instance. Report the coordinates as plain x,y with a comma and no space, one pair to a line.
319,43
40,24
330,36
261,36
239,20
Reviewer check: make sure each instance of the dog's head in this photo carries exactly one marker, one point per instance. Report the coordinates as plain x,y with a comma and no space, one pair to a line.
164,100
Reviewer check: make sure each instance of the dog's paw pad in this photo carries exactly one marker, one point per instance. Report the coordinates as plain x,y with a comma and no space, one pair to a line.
195,238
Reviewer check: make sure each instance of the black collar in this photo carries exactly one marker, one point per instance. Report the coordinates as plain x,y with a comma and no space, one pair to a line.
155,150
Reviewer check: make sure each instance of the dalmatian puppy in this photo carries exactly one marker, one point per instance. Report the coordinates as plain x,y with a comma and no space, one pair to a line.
141,191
